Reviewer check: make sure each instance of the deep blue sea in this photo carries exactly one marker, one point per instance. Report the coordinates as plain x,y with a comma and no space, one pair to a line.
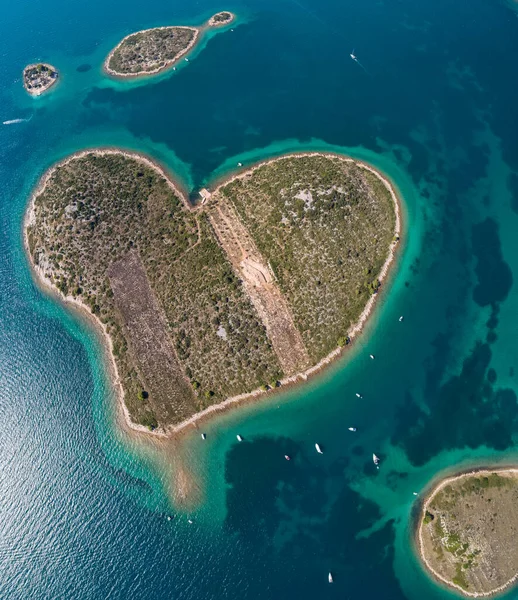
434,104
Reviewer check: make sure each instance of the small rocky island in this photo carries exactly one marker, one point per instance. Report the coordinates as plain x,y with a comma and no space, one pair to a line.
263,281
468,531
38,78
221,18
154,50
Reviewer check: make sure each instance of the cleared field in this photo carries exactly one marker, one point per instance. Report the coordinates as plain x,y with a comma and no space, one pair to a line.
468,532
324,226
149,344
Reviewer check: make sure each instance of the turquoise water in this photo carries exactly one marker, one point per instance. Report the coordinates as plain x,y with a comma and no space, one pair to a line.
84,508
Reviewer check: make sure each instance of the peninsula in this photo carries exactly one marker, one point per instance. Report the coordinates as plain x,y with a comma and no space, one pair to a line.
467,532
154,50
261,284
38,78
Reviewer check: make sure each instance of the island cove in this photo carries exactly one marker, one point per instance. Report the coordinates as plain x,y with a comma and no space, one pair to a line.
258,286
152,51
466,532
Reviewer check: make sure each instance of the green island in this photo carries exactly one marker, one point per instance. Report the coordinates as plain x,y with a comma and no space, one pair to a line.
39,77
154,50
259,284
221,18
467,532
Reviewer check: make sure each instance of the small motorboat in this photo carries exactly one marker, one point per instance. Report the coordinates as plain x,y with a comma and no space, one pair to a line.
376,461
400,318
372,356
358,395
239,438
186,59
352,428
203,436
189,521
168,517
239,164
319,449
287,457
330,577
415,493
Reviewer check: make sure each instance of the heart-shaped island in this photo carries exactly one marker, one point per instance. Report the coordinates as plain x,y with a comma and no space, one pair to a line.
260,282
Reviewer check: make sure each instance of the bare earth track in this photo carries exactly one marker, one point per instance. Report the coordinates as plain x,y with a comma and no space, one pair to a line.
262,290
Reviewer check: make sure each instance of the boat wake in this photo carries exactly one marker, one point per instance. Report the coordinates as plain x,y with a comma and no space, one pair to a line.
15,121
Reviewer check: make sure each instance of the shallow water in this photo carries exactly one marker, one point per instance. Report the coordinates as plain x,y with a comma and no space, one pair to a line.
83,508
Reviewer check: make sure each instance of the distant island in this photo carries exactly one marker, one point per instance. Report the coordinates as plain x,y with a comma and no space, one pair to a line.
38,78
261,284
152,51
468,529
221,18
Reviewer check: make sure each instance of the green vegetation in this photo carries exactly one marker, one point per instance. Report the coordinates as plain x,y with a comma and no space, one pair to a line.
324,226
428,518
151,50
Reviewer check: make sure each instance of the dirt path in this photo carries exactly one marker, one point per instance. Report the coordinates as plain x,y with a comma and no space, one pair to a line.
260,286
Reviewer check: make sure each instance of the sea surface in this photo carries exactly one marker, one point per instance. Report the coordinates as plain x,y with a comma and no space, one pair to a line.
434,105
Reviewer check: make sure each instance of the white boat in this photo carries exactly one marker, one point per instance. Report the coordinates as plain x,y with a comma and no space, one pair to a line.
318,449
168,518
203,436
352,428
400,318
287,457
239,164
372,356
358,395
330,577
376,461
239,438
189,521
186,59
415,493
